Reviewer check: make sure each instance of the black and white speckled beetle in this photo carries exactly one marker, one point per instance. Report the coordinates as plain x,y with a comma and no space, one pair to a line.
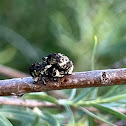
54,65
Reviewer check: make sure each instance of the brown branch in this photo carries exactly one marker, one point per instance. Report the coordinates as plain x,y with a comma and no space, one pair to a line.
25,102
12,73
76,80
119,64
35,103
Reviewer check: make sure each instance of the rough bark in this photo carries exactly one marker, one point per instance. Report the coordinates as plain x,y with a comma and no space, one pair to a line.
76,80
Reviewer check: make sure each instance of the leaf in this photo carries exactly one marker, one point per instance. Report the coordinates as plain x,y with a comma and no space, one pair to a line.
110,92
73,93
25,118
95,116
83,94
70,114
101,100
4,121
91,121
110,111
50,119
40,96
36,121
117,89
47,117
19,42
113,98
94,93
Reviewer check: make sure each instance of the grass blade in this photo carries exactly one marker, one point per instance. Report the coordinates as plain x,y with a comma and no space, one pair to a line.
4,121
95,116
73,93
83,94
47,117
91,121
70,114
40,96
110,111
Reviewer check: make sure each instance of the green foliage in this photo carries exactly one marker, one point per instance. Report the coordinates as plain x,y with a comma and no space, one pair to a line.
19,116
30,30
28,117
40,96
14,115
96,117
110,111
83,94
70,115
4,121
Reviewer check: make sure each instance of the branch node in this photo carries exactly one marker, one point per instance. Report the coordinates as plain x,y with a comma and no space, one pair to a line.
105,78
64,80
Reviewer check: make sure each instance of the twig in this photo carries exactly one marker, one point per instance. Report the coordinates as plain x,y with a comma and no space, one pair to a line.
25,102
12,73
119,64
35,103
76,80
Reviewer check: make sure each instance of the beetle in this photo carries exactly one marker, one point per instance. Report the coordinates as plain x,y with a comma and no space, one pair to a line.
55,65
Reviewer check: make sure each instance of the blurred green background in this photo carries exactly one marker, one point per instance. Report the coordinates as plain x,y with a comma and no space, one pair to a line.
32,29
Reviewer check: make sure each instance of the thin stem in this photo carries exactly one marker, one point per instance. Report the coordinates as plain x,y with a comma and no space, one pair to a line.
93,54
94,92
